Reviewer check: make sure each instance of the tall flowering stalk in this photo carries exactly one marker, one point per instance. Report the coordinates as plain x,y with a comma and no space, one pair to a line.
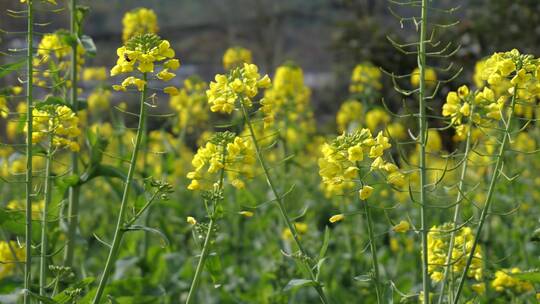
343,166
224,153
142,52
523,71
235,91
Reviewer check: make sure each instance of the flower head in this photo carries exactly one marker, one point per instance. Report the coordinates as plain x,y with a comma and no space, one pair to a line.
236,57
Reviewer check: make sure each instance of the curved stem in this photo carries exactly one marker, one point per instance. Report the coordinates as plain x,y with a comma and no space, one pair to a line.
373,247
281,206
73,204
423,127
28,181
489,196
457,210
44,221
119,231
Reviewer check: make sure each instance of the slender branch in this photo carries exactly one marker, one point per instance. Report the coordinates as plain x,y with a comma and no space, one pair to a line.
457,210
43,267
489,196
200,265
73,204
280,203
373,247
119,231
422,122
28,194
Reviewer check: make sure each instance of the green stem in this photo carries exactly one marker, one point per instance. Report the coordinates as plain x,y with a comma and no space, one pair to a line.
28,194
281,206
423,126
200,265
457,210
43,267
491,190
373,247
119,231
73,204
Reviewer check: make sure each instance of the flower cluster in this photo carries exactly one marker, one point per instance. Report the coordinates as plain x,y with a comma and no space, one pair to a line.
365,79
288,102
377,118
94,73
139,21
10,254
99,100
190,104
344,158
235,57
350,115
57,123
144,52
505,281
54,56
429,74
438,245
240,84
225,151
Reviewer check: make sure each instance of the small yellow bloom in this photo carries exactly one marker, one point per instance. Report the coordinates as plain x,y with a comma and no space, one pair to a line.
336,218
246,213
191,220
403,226
365,192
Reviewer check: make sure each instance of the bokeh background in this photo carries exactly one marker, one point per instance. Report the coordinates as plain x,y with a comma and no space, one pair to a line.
327,38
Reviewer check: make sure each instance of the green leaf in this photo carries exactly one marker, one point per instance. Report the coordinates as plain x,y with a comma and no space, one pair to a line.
88,44
326,239
42,299
363,278
151,230
7,69
298,283
67,295
14,221
532,275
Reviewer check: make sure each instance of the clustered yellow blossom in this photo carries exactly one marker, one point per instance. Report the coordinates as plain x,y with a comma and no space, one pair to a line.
95,73
225,151
53,59
235,57
99,100
350,115
139,21
401,227
376,119
190,104
345,157
288,102
301,228
57,123
505,281
4,109
239,85
438,246
365,79
19,205
429,74
10,254
144,52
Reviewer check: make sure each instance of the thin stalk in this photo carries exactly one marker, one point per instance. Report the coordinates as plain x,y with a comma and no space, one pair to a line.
489,196
73,204
28,194
423,126
208,237
457,210
200,265
281,206
119,231
373,247
43,267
